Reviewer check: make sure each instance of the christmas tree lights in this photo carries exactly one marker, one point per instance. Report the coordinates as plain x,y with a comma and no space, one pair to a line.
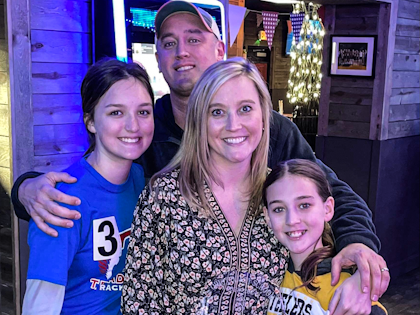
305,76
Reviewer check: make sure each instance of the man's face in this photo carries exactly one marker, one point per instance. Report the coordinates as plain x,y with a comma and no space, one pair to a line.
185,49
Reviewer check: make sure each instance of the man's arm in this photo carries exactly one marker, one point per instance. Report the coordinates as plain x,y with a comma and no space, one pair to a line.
17,205
34,195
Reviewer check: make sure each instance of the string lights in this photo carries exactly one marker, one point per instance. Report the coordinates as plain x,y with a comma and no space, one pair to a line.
305,76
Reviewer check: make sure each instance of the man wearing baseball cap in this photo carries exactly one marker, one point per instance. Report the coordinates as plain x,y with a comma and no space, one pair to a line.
188,42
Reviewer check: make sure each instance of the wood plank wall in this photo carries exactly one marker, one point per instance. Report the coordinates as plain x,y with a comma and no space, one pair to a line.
61,54
404,103
5,178
349,100
6,248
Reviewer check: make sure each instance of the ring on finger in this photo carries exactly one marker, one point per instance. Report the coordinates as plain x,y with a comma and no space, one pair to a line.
384,269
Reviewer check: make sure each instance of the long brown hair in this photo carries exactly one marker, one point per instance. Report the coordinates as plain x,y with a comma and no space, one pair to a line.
193,154
99,79
312,171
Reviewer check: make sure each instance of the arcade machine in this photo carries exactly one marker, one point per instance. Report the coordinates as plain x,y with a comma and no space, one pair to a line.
125,29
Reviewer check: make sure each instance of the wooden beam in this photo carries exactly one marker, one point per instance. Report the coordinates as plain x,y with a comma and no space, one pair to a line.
18,34
376,119
324,102
389,67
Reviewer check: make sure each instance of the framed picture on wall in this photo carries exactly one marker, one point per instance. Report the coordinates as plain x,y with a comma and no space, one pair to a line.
353,56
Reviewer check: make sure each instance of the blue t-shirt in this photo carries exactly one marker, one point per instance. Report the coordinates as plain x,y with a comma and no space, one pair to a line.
89,258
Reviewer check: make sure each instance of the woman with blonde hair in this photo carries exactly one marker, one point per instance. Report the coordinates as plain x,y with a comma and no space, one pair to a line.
199,242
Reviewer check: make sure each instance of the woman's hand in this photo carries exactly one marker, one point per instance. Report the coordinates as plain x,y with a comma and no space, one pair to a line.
40,198
348,299
374,274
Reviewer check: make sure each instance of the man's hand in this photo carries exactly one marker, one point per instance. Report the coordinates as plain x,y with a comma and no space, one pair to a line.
349,300
375,276
40,198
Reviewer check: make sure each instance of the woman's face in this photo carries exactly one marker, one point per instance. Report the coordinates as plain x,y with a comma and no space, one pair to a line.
123,121
235,122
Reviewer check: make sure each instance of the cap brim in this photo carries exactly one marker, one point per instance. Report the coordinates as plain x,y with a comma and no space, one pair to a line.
172,7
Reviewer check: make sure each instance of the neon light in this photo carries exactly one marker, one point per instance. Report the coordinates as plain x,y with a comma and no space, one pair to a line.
119,30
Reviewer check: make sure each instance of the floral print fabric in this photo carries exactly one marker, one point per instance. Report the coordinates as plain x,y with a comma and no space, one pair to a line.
181,262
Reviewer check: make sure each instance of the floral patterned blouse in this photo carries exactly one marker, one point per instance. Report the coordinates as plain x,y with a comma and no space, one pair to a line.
181,262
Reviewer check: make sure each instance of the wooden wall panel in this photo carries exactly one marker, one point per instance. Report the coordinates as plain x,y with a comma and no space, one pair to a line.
408,9
406,27
405,79
351,11
348,129
4,120
65,47
406,62
327,81
349,112
4,87
59,139
346,102
53,109
50,163
57,77
351,96
73,16
349,82
5,178
5,152
407,45
4,62
380,107
404,96
356,26
404,112
401,129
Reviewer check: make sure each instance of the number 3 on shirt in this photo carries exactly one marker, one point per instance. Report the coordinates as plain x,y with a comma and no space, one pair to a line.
106,239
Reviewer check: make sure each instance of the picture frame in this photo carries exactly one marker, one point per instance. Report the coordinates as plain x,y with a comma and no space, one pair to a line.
353,56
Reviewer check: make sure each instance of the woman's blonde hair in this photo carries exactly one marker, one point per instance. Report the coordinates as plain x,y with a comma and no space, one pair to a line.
193,154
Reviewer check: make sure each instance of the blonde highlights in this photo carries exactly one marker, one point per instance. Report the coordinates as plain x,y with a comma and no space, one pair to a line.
193,155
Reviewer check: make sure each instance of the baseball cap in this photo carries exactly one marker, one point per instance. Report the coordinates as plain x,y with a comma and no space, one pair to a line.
176,6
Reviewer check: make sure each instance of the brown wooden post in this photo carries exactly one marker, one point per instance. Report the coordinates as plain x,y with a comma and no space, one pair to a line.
324,102
384,58
18,31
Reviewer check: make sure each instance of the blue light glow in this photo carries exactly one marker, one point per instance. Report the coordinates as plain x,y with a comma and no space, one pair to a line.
120,32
